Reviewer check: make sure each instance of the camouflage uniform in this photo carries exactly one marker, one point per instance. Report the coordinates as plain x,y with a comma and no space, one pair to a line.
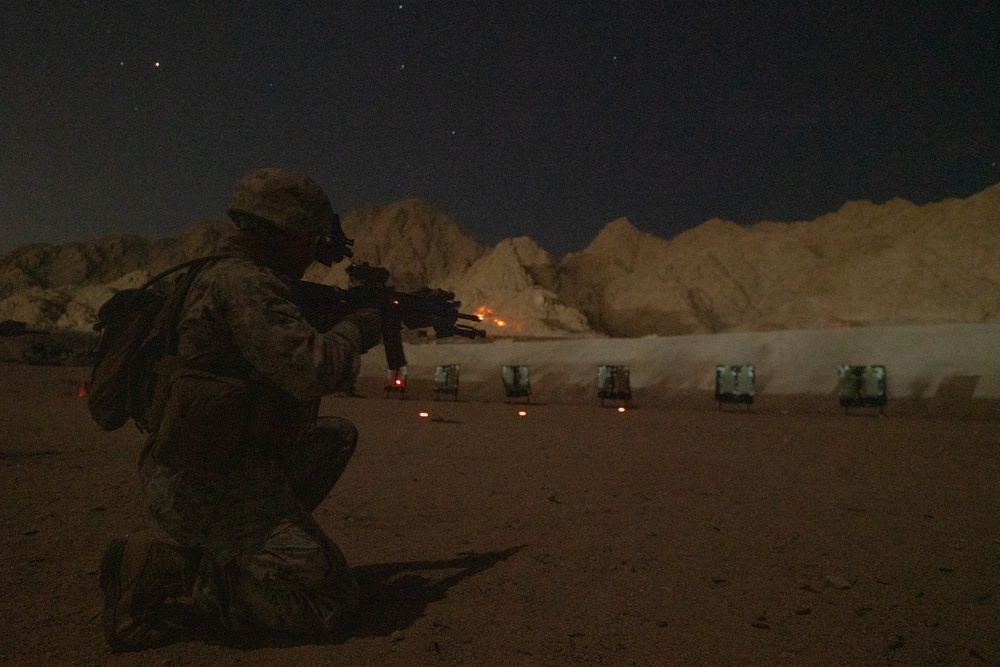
239,460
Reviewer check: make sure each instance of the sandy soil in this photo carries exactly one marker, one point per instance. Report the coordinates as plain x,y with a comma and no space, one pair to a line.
572,535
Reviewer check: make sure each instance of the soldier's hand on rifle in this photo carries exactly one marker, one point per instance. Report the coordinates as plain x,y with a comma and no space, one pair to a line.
419,319
369,322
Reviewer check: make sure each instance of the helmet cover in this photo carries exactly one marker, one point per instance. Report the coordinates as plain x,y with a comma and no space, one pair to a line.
289,200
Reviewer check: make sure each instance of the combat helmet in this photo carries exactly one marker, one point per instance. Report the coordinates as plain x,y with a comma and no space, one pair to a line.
295,204
287,199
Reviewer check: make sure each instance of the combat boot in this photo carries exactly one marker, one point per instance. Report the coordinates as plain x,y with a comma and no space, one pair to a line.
139,575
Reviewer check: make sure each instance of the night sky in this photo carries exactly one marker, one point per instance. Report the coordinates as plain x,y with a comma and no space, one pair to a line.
546,119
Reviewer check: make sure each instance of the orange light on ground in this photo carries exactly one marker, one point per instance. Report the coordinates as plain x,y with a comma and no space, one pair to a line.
82,390
425,414
522,413
621,409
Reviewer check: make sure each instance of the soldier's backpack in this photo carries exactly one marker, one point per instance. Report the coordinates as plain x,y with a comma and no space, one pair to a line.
137,328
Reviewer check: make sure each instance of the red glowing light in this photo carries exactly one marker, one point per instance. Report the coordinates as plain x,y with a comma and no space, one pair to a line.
399,382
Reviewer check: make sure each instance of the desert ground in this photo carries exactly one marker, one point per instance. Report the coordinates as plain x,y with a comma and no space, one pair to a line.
669,534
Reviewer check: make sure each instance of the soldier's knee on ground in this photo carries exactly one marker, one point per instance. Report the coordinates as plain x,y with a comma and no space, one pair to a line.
296,582
337,431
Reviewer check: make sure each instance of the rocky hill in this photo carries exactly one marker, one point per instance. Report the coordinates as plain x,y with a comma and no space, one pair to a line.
513,288
62,286
866,264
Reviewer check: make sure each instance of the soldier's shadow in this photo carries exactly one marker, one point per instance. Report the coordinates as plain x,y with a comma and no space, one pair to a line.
395,595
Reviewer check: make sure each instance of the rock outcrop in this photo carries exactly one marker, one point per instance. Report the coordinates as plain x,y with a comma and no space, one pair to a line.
866,264
63,286
512,289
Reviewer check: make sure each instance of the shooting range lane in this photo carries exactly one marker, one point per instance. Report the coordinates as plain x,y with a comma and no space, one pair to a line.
573,534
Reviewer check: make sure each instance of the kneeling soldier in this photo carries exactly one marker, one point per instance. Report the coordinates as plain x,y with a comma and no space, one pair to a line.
240,458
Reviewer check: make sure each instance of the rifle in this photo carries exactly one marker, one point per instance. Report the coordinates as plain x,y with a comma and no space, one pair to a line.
324,305
11,328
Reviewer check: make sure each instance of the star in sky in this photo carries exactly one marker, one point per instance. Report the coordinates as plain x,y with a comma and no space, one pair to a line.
559,117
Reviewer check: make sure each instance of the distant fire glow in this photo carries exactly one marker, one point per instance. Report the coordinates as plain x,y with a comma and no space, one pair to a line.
621,409
399,382
521,413
487,315
425,414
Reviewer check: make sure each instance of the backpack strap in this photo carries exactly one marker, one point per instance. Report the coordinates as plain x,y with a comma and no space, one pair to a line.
123,300
184,265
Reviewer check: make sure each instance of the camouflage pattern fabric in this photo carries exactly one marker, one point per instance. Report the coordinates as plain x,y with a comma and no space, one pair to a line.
239,461
239,312
267,564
